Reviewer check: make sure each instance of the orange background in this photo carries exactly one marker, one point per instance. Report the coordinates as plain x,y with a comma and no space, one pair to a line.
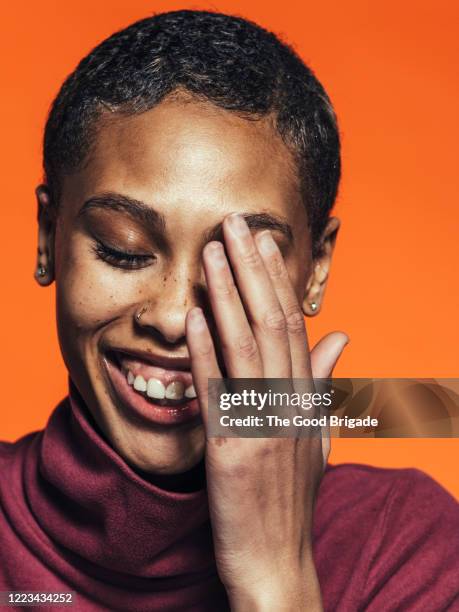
391,70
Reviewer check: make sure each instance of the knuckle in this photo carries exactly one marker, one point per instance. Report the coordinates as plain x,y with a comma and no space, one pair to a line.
266,451
273,449
237,471
225,290
295,320
250,258
247,347
276,267
274,321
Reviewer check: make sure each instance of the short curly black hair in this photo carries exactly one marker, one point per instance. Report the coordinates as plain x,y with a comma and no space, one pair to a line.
227,60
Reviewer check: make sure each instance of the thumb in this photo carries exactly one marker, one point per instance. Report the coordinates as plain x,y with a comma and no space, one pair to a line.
325,354
324,357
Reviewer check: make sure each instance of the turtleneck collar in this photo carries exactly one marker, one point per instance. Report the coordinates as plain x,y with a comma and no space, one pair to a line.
109,522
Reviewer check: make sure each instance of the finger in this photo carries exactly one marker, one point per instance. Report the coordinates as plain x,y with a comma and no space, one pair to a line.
326,353
239,348
203,358
324,357
296,328
260,300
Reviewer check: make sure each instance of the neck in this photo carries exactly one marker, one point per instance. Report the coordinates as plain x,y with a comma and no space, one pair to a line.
193,479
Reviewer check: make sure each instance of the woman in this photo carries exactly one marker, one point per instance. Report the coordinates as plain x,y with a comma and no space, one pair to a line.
191,164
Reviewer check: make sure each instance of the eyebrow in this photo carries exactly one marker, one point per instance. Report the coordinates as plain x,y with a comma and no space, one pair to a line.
155,220
256,221
121,203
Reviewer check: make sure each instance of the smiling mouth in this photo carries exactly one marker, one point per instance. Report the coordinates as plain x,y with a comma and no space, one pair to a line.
154,389
160,385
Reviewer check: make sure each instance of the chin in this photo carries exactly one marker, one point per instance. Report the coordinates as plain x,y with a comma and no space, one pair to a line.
153,451
153,435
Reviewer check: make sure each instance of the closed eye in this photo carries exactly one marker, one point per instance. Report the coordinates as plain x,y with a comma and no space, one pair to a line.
122,259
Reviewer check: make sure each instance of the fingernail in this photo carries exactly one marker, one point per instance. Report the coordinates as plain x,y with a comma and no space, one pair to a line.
237,225
197,318
266,243
217,254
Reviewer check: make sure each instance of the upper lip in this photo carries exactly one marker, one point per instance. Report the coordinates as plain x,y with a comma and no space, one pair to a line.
160,361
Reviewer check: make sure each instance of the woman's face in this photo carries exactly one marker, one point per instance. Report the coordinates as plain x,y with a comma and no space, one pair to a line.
127,248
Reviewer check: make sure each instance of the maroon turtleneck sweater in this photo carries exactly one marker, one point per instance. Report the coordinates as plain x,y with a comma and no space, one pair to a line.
75,517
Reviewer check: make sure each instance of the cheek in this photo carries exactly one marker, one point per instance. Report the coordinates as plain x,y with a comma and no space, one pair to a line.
90,292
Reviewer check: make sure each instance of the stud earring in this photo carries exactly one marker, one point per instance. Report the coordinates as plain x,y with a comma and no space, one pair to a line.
41,271
313,306
140,313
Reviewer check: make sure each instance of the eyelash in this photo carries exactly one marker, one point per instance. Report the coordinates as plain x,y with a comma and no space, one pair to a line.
120,259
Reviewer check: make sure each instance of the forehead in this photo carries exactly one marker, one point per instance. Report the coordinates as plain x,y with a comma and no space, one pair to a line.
191,157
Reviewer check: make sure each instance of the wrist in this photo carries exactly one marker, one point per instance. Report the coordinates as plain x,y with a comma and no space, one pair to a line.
300,593
286,601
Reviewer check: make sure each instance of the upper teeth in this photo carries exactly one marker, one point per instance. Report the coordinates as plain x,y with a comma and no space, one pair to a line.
190,391
154,388
140,384
175,390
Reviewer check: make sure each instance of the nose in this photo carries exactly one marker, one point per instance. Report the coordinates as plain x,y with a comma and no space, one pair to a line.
162,314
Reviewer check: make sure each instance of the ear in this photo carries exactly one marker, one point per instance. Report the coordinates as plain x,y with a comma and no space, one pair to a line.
44,270
317,280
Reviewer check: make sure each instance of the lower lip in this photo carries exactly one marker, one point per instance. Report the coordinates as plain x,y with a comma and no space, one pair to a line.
147,409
